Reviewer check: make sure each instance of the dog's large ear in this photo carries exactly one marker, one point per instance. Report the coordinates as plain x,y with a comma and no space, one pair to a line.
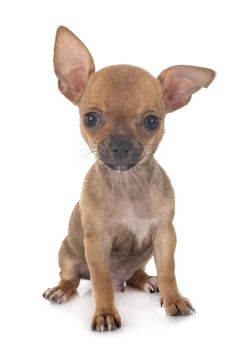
180,82
73,64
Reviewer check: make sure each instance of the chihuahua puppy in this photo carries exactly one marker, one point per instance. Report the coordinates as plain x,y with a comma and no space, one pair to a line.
126,208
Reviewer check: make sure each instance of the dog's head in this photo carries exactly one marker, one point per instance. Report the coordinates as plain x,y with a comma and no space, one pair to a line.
122,107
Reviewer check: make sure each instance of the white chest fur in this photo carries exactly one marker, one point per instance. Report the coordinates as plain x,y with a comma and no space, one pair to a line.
133,221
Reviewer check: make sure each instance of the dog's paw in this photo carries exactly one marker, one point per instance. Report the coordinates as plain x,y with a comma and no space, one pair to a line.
106,321
119,287
142,281
177,305
150,285
56,295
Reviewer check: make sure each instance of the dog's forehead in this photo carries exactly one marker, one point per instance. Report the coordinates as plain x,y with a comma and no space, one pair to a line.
123,85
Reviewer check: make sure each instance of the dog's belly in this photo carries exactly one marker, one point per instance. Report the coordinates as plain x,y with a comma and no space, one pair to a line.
132,247
128,256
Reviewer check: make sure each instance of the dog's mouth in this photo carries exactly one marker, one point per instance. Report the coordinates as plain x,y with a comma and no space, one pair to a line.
120,166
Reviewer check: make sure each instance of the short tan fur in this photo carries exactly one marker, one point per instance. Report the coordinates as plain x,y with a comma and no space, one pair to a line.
125,212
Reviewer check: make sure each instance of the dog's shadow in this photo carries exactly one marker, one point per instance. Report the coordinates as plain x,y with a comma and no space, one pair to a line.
137,308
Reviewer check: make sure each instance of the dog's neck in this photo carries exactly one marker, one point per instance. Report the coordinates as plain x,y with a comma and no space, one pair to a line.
129,184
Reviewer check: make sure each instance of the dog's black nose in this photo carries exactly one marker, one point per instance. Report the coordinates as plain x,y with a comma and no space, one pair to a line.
120,147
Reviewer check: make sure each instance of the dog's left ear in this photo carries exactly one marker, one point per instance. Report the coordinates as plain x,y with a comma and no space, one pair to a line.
73,64
180,82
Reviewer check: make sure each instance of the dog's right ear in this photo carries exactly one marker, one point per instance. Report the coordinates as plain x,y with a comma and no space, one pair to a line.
73,64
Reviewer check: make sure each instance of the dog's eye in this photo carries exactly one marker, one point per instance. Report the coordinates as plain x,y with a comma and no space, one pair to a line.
91,119
151,122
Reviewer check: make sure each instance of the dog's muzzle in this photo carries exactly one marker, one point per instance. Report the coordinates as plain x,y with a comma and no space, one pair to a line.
120,152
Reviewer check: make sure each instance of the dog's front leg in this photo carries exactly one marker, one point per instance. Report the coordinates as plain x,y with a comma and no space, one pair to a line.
164,248
97,251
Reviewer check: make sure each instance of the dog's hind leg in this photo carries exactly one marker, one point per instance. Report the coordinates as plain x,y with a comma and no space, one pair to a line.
69,276
72,262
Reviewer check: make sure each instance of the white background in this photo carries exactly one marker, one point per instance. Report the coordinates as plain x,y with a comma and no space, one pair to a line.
206,151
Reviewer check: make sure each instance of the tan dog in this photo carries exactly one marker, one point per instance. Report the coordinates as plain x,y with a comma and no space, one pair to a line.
125,213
